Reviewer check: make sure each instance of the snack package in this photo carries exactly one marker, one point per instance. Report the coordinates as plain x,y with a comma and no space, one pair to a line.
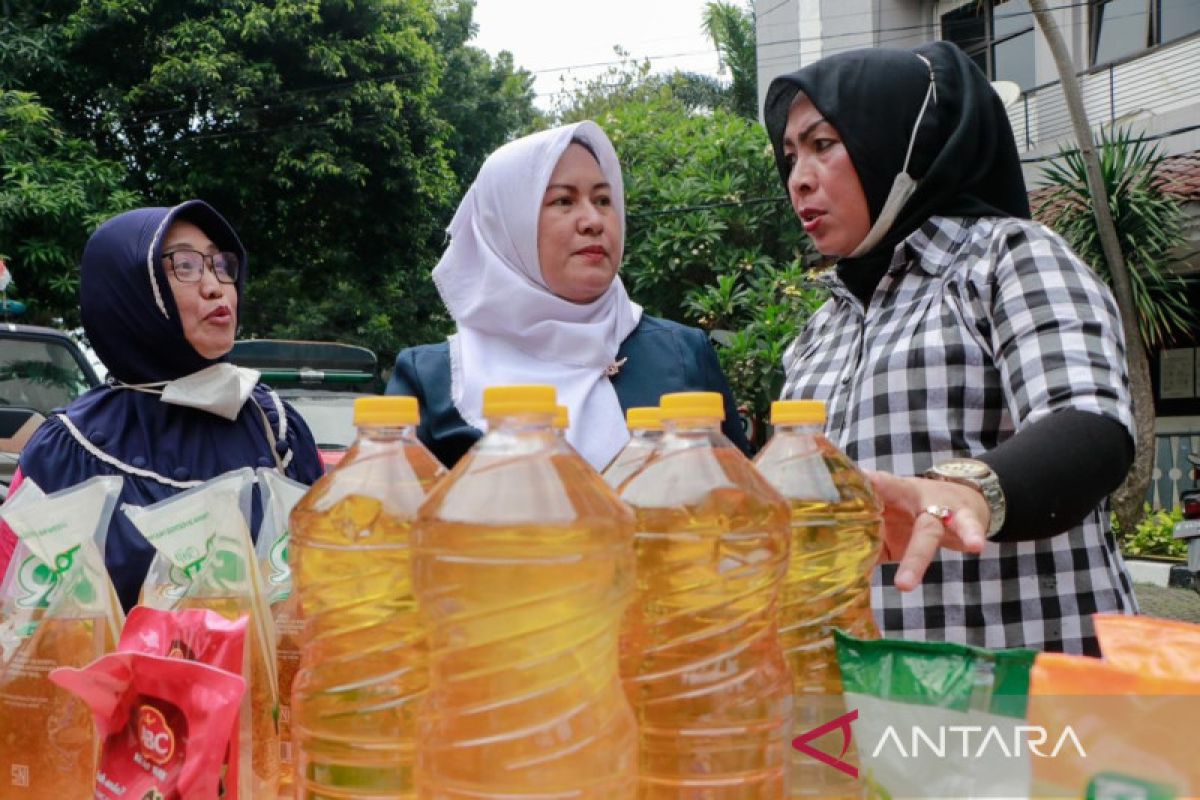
205,560
57,609
936,719
280,494
1129,712
194,635
165,722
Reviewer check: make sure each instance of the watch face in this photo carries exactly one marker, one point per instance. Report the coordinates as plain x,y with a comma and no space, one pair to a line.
964,468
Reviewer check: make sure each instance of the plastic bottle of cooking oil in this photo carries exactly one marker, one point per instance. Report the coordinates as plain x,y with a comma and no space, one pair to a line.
701,657
835,543
522,567
363,657
645,431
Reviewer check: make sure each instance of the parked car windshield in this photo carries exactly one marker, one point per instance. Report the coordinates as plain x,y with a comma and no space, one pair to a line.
39,374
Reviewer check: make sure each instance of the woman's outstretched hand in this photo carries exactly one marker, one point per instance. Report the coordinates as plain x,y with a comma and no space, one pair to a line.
915,524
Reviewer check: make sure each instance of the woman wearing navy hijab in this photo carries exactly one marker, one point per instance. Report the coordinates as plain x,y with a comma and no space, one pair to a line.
159,291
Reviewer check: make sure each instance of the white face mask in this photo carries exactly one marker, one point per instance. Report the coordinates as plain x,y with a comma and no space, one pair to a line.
221,389
903,186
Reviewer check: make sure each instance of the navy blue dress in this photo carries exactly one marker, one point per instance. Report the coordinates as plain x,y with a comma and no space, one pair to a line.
662,357
132,321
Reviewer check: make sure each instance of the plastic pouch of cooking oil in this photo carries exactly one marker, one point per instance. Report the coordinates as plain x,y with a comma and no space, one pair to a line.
279,494
57,609
206,560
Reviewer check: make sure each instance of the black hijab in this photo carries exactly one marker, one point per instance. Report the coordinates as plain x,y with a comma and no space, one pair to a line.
964,160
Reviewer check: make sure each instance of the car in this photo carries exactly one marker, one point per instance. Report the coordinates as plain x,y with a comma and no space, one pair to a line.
41,369
320,379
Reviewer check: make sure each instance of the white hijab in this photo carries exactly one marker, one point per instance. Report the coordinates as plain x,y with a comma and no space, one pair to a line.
511,328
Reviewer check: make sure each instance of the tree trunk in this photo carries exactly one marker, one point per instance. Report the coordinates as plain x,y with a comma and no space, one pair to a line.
1129,498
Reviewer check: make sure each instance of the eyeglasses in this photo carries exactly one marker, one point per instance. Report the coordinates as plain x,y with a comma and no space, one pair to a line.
188,265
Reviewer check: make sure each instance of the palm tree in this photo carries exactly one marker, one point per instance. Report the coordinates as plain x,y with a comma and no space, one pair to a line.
1127,500
731,29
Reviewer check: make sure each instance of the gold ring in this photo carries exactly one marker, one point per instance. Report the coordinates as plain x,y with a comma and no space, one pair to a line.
942,513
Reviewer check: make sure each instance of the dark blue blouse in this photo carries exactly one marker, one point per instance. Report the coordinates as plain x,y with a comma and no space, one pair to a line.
662,357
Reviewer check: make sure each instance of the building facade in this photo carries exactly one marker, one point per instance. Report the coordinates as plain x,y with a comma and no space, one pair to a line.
1139,66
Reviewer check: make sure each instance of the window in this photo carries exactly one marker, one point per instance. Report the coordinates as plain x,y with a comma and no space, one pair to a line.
1121,28
998,35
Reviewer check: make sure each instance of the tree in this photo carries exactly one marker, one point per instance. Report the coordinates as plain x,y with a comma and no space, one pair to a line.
1127,500
335,135
485,102
54,190
1149,224
731,29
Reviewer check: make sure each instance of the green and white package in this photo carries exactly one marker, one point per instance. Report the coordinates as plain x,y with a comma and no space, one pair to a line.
58,608
57,569
205,559
938,720
280,494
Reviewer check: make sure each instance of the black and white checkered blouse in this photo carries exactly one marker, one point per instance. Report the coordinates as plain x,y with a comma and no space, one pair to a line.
979,328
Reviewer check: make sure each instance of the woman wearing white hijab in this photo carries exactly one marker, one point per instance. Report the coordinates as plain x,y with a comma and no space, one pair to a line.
530,278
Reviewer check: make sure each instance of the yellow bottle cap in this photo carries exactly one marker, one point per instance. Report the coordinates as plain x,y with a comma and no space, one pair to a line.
692,405
644,418
386,411
797,412
530,399
562,418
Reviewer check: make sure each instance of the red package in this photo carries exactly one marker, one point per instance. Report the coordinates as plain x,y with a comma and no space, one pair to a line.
209,638
165,722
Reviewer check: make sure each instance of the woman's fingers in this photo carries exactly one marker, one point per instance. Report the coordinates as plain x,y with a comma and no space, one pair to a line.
916,524
928,533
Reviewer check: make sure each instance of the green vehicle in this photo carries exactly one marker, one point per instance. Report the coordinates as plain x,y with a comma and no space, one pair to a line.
320,380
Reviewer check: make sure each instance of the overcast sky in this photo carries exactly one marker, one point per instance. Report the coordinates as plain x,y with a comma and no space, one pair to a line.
546,36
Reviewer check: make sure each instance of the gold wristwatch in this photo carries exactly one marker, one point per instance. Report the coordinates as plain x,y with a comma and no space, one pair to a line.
979,476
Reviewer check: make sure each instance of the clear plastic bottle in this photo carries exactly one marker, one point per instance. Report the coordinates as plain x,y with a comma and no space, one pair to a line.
523,566
363,654
836,541
701,657
645,432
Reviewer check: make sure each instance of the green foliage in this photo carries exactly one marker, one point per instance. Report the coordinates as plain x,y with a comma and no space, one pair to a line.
711,240
1153,536
54,190
731,29
335,134
1149,226
484,102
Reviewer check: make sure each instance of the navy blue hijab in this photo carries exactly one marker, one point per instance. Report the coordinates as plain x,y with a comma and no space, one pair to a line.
131,320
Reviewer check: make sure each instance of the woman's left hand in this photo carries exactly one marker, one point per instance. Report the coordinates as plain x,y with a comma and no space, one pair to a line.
912,535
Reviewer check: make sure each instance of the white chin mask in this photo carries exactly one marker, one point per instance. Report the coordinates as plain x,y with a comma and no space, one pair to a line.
221,389
903,186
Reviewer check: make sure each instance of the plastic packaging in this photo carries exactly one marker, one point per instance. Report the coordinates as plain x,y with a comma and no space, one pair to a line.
835,523
280,494
362,649
938,719
166,724
57,609
522,566
702,661
645,432
1130,712
206,560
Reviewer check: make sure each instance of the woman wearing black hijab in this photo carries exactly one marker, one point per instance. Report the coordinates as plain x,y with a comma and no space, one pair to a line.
963,343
